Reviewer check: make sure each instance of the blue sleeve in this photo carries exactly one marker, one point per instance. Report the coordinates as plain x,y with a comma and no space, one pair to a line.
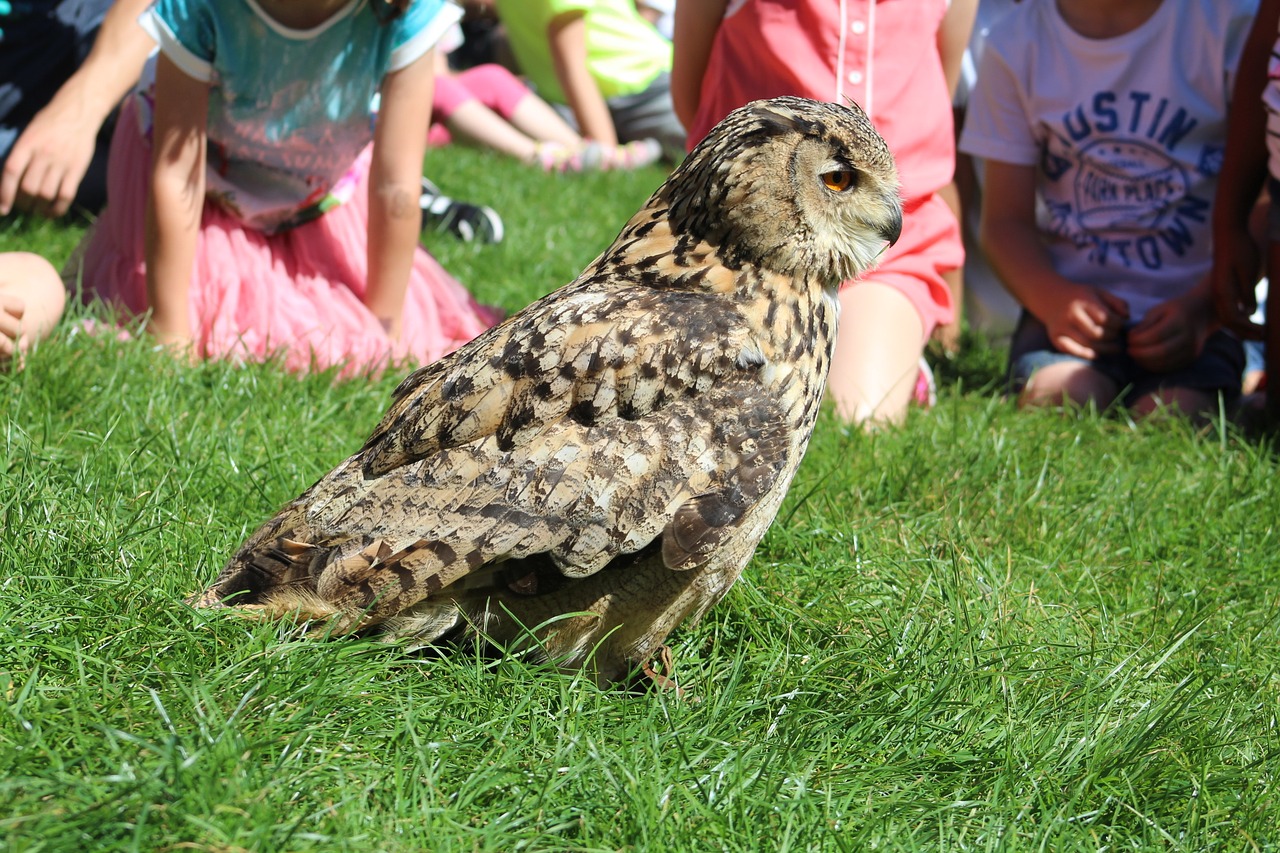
419,28
184,30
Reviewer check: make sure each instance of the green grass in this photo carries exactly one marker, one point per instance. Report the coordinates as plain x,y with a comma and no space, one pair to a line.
985,630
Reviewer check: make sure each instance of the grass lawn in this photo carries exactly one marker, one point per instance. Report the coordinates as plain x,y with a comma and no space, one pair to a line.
984,630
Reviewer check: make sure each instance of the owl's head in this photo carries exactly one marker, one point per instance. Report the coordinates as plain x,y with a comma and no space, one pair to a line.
795,186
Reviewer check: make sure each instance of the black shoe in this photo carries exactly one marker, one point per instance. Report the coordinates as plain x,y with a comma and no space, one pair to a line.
467,222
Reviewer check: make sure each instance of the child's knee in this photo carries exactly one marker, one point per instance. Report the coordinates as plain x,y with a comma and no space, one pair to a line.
35,282
1073,382
1191,402
17,267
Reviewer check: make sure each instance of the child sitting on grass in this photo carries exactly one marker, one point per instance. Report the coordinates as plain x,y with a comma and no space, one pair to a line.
600,63
1108,119
256,209
487,106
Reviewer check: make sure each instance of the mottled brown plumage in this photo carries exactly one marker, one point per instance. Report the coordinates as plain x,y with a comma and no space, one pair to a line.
602,465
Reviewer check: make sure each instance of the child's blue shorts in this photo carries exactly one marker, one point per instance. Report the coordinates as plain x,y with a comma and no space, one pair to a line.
1218,368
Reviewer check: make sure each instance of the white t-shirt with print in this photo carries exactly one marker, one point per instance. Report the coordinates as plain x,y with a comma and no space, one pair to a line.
1127,135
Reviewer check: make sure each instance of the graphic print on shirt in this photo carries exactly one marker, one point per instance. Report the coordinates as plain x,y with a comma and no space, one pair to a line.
1122,193
275,145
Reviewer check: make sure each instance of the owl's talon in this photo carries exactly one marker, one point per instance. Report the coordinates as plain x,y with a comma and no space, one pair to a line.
664,679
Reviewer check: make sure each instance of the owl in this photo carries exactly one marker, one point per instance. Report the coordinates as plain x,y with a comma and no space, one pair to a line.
579,480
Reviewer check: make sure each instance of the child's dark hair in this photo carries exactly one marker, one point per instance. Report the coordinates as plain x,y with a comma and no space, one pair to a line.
388,10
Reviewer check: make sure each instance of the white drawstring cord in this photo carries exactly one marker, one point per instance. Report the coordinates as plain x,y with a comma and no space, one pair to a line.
871,57
844,29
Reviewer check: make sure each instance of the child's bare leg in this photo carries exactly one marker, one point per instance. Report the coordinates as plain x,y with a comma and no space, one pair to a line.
32,298
534,117
475,124
1252,379
877,356
1071,381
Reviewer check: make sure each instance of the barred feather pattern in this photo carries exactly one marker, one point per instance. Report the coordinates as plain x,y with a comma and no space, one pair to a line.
584,477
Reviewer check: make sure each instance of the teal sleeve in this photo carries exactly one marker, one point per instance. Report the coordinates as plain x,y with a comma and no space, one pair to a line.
190,22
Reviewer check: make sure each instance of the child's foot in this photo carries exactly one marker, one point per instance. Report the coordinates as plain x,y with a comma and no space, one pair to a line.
635,155
597,157
555,157
465,221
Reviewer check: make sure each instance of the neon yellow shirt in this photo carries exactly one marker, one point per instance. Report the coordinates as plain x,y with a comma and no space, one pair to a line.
624,52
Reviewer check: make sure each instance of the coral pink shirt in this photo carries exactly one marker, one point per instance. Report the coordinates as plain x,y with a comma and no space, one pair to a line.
882,55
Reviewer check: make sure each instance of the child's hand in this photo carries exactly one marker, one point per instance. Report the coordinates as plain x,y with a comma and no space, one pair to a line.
1086,322
1170,335
1235,275
49,160
12,310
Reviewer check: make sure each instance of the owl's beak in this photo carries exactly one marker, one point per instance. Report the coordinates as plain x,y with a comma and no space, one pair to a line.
891,228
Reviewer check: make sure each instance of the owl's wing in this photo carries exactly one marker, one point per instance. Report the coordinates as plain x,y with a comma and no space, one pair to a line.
593,445
583,353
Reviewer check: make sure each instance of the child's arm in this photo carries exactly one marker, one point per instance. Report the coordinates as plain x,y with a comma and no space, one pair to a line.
953,38
395,182
176,199
568,36
1244,171
49,159
1082,321
696,24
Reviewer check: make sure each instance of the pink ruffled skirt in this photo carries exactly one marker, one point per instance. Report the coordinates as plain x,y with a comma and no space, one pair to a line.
295,295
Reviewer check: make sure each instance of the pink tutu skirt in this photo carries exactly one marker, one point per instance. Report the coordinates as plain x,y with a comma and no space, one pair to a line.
294,295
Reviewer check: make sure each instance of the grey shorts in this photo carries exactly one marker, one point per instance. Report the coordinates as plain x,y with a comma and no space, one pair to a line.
1218,368
647,113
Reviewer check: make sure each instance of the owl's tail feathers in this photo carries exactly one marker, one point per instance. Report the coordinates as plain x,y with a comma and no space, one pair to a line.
350,590
279,568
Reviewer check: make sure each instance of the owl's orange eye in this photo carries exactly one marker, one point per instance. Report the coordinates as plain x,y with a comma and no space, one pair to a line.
838,181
